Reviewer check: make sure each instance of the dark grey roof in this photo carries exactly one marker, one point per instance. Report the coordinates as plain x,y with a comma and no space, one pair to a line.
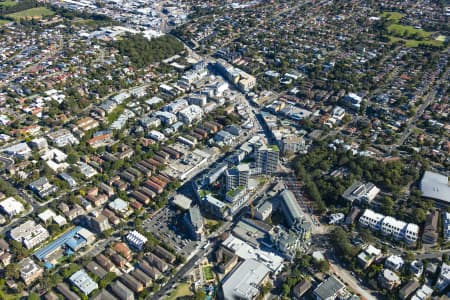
328,288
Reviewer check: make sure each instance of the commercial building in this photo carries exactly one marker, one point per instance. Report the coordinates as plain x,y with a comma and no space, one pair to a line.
290,207
72,240
242,80
214,206
389,226
29,270
264,210
136,240
29,234
435,186
361,192
245,251
267,159
245,280
83,282
194,223
329,289
292,144
237,176
215,173
286,241
11,207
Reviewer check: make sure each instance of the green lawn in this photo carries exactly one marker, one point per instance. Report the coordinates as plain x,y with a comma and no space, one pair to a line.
207,273
8,3
392,15
411,37
3,22
36,12
182,290
415,43
408,31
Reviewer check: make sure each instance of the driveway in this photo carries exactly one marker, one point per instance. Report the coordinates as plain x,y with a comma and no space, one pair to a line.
351,282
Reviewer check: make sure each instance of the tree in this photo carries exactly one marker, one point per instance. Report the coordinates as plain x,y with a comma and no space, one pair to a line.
200,295
388,206
33,296
73,157
12,271
419,215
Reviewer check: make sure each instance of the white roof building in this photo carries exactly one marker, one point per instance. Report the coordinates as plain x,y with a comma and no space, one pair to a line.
245,251
47,215
167,118
87,170
390,226
20,150
444,278
11,206
423,293
190,114
156,135
371,219
435,186
446,225
136,239
394,263
55,159
60,220
83,282
245,280
30,234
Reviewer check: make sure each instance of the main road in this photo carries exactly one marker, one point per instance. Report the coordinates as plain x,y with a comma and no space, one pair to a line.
187,267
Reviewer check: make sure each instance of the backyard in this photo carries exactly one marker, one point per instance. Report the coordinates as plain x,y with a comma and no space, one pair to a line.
180,291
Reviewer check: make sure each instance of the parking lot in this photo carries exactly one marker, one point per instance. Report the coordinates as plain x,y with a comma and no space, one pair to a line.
162,225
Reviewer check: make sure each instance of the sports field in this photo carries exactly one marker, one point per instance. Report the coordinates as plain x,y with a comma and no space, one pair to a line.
408,31
410,36
35,12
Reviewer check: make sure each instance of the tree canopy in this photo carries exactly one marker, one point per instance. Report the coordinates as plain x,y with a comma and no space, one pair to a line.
143,52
